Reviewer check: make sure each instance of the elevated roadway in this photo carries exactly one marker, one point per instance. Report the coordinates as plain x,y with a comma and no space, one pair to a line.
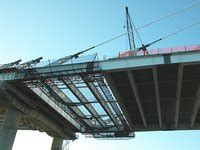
106,99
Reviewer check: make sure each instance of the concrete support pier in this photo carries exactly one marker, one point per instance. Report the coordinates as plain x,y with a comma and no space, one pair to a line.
9,129
57,143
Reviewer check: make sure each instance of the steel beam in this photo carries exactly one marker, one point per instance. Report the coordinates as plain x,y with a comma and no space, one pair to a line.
107,92
54,94
48,100
63,113
68,101
118,98
115,64
77,93
178,93
155,78
195,107
65,132
101,100
123,64
137,97
110,128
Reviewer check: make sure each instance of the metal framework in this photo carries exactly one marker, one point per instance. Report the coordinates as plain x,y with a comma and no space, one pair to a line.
110,98
83,114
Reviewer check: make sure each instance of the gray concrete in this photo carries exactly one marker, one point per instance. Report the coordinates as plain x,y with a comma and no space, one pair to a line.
108,65
57,143
9,129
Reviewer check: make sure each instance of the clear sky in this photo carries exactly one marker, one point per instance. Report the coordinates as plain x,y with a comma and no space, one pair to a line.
56,28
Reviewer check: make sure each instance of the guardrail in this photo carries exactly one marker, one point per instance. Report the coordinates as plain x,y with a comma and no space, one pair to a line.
162,50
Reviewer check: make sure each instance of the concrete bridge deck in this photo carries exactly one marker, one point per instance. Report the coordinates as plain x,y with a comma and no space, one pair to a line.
110,98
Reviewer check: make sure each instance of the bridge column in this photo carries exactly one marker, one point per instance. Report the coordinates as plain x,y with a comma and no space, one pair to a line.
57,143
9,129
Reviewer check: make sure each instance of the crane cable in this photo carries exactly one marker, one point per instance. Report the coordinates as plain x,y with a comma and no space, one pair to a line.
146,25
170,15
136,30
143,47
182,29
146,45
153,22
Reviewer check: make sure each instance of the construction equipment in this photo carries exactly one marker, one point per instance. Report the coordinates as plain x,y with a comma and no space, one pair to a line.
30,63
12,64
129,28
70,57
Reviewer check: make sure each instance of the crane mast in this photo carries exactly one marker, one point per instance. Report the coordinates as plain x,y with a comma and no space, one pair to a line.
129,28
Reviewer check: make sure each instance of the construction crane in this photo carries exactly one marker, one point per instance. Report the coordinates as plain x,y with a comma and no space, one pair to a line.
129,28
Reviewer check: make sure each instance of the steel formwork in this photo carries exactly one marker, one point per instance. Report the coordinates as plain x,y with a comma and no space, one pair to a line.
68,92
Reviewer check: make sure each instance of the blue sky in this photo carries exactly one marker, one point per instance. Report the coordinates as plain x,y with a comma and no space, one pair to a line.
52,29
56,28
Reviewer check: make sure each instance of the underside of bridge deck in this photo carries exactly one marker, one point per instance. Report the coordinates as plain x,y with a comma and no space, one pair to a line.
162,97
110,98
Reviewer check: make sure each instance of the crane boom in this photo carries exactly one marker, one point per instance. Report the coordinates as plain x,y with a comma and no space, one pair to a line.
129,28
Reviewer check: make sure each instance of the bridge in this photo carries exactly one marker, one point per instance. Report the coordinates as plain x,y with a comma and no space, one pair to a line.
112,98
